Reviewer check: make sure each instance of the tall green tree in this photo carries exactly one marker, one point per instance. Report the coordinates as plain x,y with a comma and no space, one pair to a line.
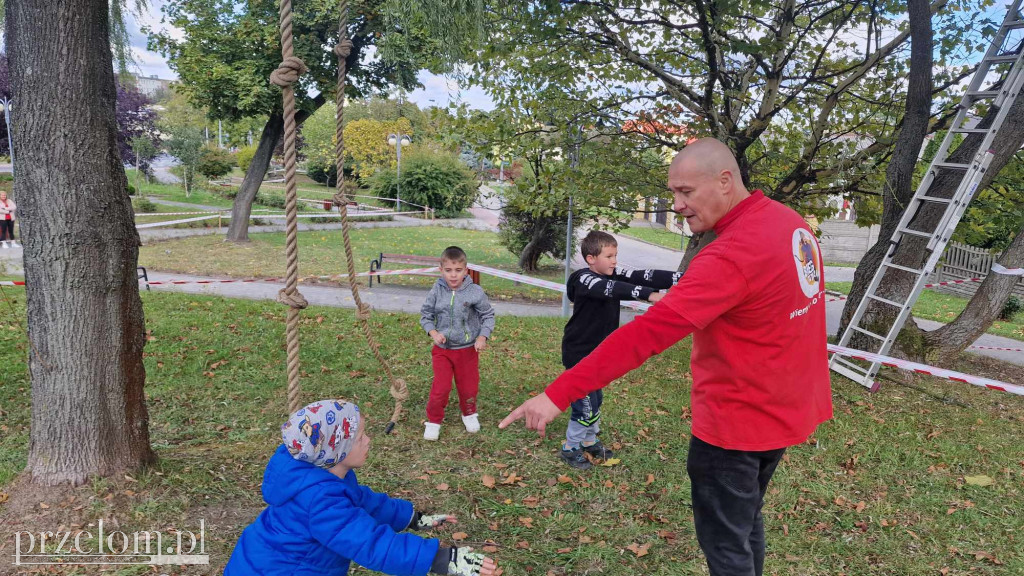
228,50
86,328
808,94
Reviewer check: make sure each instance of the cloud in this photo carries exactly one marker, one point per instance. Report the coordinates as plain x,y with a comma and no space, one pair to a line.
441,91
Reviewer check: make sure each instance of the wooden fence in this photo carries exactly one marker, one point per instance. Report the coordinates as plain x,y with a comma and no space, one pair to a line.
961,261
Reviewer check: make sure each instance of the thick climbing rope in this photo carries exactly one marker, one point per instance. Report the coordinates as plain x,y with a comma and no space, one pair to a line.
288,73
399,390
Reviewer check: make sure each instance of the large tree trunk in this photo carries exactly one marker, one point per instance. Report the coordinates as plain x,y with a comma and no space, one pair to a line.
241,209
85,322
697,243
539,243
899,173
950,340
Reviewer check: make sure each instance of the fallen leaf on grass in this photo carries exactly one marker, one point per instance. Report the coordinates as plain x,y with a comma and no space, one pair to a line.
526,521
43,505
980,480
611,462
650,480
442,487
512,478
531,501
563,479
639,550
522,544
564,550
460,536
488,480
490,549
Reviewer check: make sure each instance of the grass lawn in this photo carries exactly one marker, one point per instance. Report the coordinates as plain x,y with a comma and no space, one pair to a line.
923,480
942,307
655,234
321,253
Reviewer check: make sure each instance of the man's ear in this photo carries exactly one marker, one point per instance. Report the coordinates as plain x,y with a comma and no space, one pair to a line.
725,180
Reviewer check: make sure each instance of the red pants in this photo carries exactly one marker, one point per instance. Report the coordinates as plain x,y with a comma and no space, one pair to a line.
464,365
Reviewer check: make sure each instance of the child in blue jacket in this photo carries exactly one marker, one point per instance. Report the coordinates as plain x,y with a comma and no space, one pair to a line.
319,518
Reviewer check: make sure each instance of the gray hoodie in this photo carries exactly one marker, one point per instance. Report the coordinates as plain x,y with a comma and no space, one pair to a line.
461,315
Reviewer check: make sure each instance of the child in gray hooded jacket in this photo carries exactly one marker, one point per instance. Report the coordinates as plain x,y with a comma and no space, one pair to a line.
460,319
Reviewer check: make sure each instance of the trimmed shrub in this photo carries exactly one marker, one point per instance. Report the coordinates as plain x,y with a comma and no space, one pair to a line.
244,157
143,205
1010,309
215,162
435,179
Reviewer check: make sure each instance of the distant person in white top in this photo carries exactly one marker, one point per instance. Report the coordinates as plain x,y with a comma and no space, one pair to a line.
7,208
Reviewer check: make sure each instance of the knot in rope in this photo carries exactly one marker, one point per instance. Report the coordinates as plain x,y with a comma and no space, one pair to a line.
340,198
399,390
294,300
363,313
288,71
343,48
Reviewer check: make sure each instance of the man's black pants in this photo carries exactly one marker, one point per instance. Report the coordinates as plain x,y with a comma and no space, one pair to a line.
727,488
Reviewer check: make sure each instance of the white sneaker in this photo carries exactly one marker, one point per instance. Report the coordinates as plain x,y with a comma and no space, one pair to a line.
431,431
4,245
472,423
14,244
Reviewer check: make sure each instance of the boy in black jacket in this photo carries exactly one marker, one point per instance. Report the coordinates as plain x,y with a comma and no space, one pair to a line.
596,293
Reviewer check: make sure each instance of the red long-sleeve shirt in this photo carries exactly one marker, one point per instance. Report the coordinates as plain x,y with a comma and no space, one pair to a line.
753,300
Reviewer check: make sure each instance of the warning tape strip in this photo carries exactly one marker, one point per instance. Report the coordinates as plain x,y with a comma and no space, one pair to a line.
926,369
274,216
641,306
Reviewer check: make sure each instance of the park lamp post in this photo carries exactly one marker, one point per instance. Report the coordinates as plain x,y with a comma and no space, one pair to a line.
398,140
5,106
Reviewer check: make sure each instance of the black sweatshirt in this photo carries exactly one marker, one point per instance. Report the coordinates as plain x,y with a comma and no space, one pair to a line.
596,299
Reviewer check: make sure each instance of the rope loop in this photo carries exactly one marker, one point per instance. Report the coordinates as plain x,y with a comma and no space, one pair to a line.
340,199
399,390
343,48
296,300
288,71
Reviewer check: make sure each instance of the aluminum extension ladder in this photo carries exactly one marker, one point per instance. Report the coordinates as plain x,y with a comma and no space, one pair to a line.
1001,94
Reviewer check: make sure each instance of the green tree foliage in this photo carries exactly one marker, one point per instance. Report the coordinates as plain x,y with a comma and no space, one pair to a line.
430,178
186,144
226,51
215,162
810,105
244,156
366,144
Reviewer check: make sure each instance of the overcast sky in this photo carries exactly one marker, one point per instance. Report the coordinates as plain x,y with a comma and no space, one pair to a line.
436,90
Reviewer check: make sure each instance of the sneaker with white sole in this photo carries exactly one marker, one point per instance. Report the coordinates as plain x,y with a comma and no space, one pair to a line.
472,423
14,244
4,245
431,431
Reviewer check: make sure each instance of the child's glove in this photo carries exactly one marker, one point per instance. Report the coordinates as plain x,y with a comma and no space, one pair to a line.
428,521
462,562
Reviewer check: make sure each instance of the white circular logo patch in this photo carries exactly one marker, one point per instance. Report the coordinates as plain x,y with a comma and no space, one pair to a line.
808,263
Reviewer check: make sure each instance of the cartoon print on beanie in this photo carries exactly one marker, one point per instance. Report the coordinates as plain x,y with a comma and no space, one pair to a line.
322,433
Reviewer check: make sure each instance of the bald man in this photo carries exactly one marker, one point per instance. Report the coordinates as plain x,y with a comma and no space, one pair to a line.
753,300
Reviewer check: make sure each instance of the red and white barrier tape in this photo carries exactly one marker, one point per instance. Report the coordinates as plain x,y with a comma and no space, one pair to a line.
996,348
11,283
926,369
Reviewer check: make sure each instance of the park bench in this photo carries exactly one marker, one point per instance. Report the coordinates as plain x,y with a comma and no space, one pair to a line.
426,261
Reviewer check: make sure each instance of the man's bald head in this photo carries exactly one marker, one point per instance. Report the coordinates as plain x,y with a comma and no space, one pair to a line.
710,157
705,179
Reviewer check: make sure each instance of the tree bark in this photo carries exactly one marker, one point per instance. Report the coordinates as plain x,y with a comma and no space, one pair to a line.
85,320
241,208
694,246
539,243
899,173
950,340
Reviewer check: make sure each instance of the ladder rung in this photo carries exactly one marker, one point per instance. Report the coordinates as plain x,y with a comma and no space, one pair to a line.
869,333
925,198
850,370
951,165
904,268
970,130
916,233
980,94
886,300
1002,58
